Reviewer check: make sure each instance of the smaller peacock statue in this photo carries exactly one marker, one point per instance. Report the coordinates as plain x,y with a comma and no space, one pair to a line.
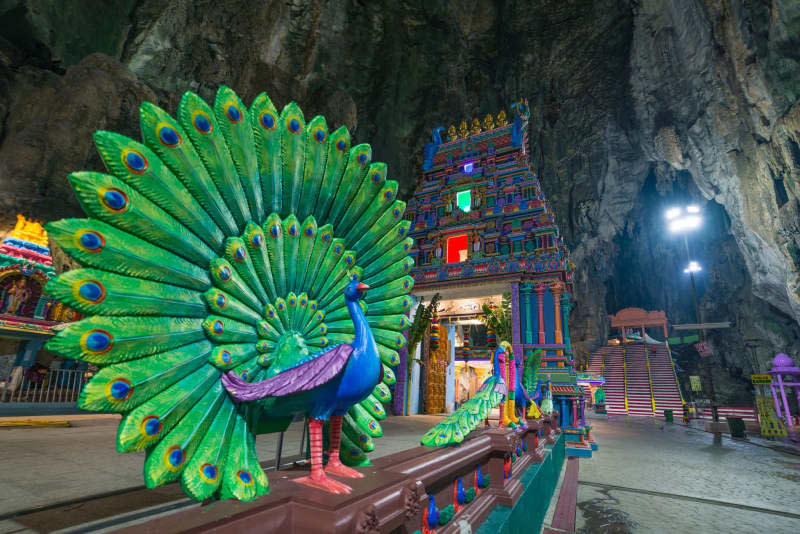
225,268
492,393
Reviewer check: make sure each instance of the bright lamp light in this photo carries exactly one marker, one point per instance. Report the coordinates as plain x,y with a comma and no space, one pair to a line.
693,209
693,267
673,212
683,224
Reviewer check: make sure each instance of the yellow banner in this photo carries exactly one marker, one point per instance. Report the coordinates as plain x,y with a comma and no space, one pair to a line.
761,380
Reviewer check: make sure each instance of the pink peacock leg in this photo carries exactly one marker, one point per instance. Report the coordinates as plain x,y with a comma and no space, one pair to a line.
318,478
335,465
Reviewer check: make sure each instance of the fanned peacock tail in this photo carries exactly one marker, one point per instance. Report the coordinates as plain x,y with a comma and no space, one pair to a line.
225,239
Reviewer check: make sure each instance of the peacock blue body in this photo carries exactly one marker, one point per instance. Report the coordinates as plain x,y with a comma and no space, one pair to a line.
224,249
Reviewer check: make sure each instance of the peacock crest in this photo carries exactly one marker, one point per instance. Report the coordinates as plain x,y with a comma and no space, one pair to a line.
223,242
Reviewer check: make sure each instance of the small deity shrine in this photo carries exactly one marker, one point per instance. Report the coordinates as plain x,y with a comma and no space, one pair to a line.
27,313
785,378
482,229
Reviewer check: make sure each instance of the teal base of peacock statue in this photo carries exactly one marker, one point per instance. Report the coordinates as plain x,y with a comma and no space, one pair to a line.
228,244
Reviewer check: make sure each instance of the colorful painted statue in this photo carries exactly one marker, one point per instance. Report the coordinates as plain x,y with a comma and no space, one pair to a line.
508,371
526,375
15,297
546,404
455,427
232,251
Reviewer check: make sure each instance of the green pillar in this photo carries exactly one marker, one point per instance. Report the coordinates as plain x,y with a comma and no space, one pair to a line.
526,300
565,306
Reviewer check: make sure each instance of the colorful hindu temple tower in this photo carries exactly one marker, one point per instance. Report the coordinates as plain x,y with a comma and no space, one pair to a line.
28,315
483,228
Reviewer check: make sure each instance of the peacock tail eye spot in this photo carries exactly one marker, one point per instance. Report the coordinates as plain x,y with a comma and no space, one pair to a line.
309,231
202,123
406,284
174,457
275,231
387,195
294,125
220,300
92,291
292,302
169,137
225,357
349,260
240,253
337,249
135,162
233,113
218,327
151,425
113,199
292,230
208,472
97,341
341,145
267,120
224,273
244,375
376,178
319,135
362,158
401,231
326,237
303,302
396,213
91,241
405,246
245,478
119,390
257,239
271,313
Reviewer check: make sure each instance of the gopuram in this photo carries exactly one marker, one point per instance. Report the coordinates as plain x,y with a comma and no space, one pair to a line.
482,229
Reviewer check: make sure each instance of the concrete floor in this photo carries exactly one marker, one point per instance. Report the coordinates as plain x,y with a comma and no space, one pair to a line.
45,465
646,478
653,478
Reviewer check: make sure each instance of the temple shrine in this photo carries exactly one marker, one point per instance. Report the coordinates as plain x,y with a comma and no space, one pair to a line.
28,315
482,229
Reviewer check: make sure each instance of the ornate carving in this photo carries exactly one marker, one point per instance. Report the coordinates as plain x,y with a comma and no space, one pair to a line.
368,521
501,118
488,122
451,133
411,499
463,131
476,127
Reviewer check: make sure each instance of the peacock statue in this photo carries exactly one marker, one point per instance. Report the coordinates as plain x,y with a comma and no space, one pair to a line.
492,393
239,267
526,385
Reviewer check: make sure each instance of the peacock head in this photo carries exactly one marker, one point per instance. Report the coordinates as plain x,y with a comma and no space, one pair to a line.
355,290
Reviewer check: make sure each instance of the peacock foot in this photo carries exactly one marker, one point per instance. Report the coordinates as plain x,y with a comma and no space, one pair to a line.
339,469
322,481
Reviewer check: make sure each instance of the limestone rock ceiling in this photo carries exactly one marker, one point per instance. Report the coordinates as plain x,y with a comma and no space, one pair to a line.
634,105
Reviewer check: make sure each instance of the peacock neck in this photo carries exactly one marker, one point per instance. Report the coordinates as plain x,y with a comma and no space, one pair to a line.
363,337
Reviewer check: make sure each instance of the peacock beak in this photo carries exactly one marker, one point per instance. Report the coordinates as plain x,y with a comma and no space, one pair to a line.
362,286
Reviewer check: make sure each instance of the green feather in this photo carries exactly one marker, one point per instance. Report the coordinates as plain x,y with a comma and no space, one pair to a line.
395,288
183,160
223,303
327,267
291,245
224,330
370,186
167,459
109,199
237,256
365,420
144,378
382,392
388,376
316,154
396,270
382,205
293,140
114,250
273,229
392,255
148,423
201,125
388,355
388,241
322,243
264,119
308,234
234,123
374,407
243,477
254,237
397,322
357,166
226,278
227,357
106,340
97,292
336,161
140,168
391,306
209,458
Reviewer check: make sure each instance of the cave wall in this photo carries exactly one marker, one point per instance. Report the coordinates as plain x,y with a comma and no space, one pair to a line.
635,105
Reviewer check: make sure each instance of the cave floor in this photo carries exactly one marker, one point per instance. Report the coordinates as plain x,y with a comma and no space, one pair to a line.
646,477
655,477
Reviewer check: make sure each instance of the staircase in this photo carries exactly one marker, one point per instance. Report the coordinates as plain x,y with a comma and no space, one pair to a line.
665,384
597,360
615,381
640,402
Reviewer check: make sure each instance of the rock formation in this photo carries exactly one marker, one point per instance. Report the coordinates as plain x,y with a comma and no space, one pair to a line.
635,105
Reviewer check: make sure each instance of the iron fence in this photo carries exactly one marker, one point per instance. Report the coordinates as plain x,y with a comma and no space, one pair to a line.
42,386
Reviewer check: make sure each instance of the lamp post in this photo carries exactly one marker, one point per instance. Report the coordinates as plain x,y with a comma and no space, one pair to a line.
682,220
